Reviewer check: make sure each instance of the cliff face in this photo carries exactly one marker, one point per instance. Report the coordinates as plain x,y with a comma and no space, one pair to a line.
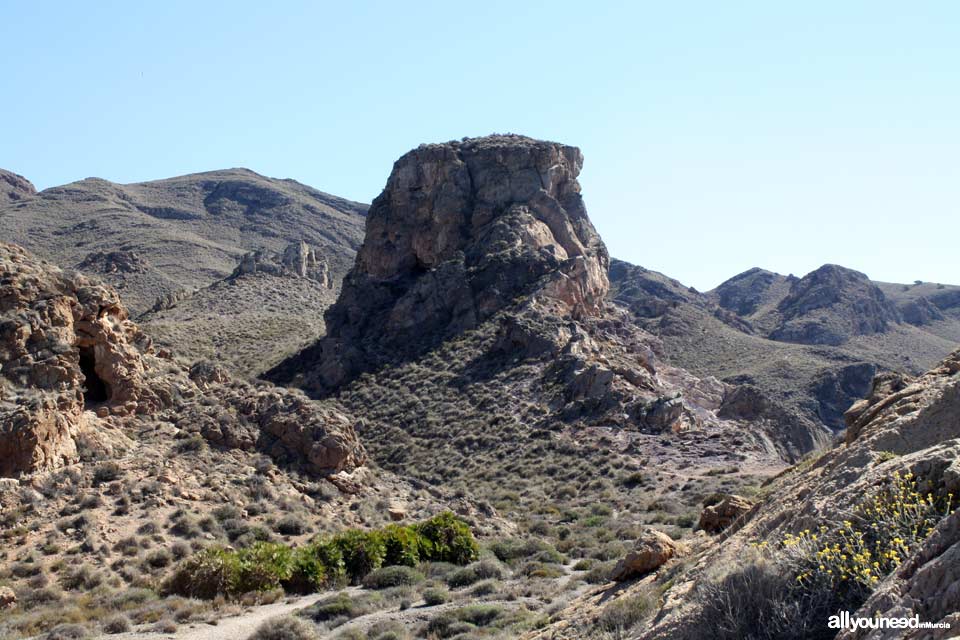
461,230
72,362
14,187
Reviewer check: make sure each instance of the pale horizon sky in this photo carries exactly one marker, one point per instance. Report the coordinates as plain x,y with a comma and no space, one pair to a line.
716,137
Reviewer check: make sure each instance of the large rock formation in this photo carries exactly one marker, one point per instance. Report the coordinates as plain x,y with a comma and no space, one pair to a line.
461,230
70,357
14,187
297,259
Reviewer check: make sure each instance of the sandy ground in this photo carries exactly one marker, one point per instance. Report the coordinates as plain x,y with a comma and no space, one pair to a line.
237,627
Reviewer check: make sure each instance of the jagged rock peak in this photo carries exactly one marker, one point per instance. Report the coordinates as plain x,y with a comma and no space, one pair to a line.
462,230
298,258
14,187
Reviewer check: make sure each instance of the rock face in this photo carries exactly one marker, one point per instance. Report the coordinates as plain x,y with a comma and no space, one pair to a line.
653,549
14,187
461,230
831,305
721,511
69,357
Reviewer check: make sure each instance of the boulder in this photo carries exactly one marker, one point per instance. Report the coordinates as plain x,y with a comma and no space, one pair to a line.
721,510
651,551
8,599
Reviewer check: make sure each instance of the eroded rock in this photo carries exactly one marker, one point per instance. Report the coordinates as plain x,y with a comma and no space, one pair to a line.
652,550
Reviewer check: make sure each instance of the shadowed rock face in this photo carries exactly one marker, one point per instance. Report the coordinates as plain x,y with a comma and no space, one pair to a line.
71,362
461,230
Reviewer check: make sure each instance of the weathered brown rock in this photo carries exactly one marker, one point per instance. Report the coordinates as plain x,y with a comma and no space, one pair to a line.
721,511
8,599
462,230
653,549
69,357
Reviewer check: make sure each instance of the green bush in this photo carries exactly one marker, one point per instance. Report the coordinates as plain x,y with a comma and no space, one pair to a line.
324,563
264,566
402,545
395,576
363,551
309,574
447,538
209,573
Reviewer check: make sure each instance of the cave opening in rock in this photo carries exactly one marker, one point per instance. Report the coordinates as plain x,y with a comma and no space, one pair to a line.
95,390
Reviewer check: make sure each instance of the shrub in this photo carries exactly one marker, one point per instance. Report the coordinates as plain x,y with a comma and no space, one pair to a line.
66,632
316,566
209,573
263,567
447,538
106,472
789,588
116,624
291,525
395,576
474,573
435,596
447,624
625,613
402,545
285,628
362,552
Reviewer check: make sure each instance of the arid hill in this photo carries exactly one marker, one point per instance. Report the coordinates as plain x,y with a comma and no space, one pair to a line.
812,343
153,239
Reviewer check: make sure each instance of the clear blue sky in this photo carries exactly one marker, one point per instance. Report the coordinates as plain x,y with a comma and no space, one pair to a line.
717,136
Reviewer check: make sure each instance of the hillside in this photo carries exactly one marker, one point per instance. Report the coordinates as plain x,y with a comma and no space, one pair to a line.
269,308
156,238
473,336
870,527
813,343
117,463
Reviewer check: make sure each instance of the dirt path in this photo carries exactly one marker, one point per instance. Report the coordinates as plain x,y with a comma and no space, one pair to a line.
237,627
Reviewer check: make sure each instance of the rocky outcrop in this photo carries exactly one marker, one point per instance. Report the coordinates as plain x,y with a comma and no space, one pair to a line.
652,550
113,262
836,390
722,510
792,431
906,428
831,305
297,259
462,230
69,357
14,187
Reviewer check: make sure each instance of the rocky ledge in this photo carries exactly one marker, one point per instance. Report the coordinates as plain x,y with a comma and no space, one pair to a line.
72,362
